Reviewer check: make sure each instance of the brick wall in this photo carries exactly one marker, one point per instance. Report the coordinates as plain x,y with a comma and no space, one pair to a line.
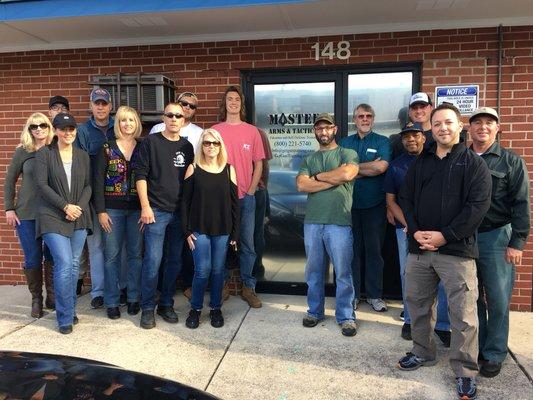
455,56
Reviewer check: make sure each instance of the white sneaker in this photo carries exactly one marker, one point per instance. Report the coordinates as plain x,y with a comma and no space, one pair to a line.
377,304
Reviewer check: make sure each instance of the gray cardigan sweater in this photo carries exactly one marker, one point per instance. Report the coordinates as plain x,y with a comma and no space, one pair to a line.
55,194
23,163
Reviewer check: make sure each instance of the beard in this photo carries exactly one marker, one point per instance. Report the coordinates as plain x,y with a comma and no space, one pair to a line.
325,140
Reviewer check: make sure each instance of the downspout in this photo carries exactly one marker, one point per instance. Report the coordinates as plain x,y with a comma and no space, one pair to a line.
500,57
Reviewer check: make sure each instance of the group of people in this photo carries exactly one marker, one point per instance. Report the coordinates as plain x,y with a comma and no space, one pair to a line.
182,196
138,204
462,217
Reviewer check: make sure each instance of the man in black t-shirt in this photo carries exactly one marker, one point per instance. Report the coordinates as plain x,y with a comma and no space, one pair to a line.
163,160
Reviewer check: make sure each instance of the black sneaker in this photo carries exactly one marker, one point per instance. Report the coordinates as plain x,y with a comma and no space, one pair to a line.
217,320
133,308
466,388
97,302
406,332
75,320
444,336
310,322
147,319
168,314
79,287
113,313
193,320
123,299
65,330
349,328
402,315
411,362
489,369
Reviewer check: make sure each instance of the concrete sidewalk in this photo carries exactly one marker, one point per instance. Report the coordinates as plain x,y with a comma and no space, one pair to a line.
264,353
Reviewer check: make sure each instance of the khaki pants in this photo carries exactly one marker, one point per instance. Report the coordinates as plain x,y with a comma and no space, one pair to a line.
458,274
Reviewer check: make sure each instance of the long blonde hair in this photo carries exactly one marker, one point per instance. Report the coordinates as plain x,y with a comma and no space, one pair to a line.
222,158
27,141
125,111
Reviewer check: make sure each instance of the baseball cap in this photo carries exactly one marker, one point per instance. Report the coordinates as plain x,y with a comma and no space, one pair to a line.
58,100
62,120
420,98
491,112
100,94
411,127
324,117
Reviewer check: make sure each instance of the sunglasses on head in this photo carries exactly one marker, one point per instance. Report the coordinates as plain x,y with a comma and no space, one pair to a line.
184,103
172,115
42,125
207,143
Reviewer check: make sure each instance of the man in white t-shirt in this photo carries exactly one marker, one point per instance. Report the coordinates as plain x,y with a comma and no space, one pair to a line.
189,102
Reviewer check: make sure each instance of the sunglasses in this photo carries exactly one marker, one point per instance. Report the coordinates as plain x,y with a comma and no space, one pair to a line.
172,115
41,125
207,143
184,103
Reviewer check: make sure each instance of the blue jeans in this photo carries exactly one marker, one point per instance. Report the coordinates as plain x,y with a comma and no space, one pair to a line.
369,226
95,244
336,242
66,252
443,318
209,256
496,278
124,230
261,200
154,238
32,248
246,249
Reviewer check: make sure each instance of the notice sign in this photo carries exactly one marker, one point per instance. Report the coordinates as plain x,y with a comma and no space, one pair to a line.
465,98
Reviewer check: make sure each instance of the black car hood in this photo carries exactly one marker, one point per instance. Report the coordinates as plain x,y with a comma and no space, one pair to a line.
48,376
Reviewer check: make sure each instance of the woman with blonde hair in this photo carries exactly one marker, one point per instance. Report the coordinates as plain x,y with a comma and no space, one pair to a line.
210,213
21,213
117,205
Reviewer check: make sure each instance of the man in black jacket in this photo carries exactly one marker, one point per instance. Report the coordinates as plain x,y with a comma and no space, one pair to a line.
502,237
445,196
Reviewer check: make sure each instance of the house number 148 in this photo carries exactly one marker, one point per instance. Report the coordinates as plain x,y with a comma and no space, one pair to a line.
342,52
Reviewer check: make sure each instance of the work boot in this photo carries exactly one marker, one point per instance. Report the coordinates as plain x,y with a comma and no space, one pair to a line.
34,278
249,296
50,301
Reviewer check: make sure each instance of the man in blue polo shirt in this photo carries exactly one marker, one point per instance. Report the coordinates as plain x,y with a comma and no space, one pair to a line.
413,140
368,209
91,137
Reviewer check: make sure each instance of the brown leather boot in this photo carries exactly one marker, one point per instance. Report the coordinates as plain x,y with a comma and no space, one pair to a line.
34,278
50,301
248,295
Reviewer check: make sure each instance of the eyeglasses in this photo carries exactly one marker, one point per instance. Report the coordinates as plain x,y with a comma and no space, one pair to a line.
58,107
42,125
324,128
363,116
207,143
184,103
172,115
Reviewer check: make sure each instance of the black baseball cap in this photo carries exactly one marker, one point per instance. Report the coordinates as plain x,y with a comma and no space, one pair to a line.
58,100
62,120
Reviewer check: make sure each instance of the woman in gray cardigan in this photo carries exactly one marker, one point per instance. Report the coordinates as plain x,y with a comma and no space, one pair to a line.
64,218
21,209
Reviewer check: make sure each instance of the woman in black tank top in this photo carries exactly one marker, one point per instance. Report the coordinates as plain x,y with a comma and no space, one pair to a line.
210,214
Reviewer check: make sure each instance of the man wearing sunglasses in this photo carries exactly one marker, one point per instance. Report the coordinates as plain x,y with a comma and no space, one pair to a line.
162,162
189,102
90,137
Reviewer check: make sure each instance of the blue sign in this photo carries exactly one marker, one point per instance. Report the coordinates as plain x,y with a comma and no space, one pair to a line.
465,98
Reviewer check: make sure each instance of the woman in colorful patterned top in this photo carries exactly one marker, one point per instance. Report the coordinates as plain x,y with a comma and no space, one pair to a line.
117,205
21,213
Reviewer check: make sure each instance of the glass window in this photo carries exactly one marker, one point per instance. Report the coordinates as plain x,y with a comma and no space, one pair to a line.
388,93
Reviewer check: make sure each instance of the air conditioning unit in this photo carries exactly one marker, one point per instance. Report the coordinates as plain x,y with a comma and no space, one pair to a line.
147,93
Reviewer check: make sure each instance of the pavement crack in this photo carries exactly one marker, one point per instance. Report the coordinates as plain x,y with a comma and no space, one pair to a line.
226,350
524,370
